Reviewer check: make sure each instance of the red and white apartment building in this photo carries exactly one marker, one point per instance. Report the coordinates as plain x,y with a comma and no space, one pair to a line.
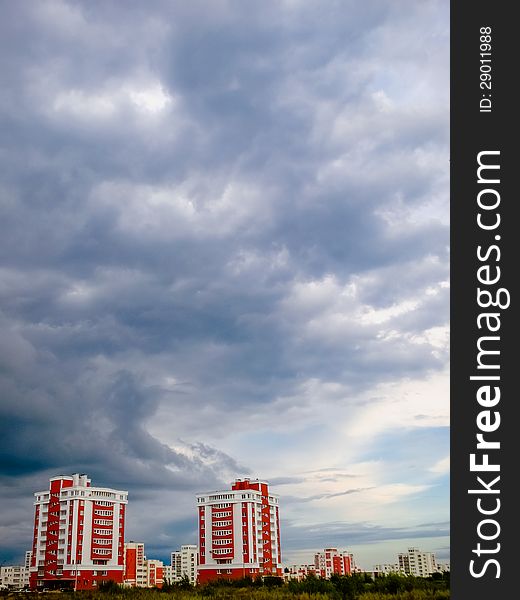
239,532
135,564
328,562
139,570
154,573
332,562
78,534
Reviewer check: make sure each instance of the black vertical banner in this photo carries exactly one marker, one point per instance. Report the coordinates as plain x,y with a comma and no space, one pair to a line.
484,243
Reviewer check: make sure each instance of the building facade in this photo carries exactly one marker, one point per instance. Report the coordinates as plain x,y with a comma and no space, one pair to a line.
386,569
140,571
27,568
415,562
78,534
135,568
184,563
298,572
239,532
333,562
16,577
168,574
154,573
13,577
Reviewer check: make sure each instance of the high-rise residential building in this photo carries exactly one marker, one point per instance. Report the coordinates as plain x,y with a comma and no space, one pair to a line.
239,532
135,568
415,562
184,563
78,534
332,562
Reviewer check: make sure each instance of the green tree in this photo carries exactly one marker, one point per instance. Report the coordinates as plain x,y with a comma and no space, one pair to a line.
110,587
184,583
348,587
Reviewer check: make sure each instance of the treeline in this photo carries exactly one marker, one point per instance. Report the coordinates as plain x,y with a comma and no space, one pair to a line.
338,587
352,587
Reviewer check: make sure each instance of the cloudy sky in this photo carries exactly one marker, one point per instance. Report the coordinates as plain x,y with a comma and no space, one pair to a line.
224,253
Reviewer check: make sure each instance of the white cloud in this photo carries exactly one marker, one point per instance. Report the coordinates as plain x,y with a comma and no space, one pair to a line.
173,211
400,405
441,467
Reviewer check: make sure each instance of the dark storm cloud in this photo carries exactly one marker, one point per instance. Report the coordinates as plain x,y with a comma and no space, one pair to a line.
170,174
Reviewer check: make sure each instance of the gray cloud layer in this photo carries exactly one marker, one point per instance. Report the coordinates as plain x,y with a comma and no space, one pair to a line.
175,179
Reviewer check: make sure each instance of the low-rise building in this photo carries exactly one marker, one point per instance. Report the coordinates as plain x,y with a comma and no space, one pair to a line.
298,572
13,577
386,569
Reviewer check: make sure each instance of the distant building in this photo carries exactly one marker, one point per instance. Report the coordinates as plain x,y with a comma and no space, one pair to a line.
27,568
154,573
298,572
12,577
184,563
78,535
333,562
141,571
415,562
239,532
135,569
16,577
168,573
386,569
